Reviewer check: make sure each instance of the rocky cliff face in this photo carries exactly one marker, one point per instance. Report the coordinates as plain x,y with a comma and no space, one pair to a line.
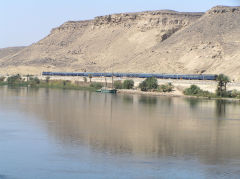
155,41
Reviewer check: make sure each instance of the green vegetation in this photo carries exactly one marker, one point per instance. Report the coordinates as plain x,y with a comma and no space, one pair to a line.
128,84
2,79
222,85
15,80
33,82
65,84
235,94
166,88
30,81
221,91
149,84
194,90
118,84
96,85
47,79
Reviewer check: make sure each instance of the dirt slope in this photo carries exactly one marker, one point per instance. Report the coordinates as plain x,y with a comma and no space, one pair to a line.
156,41
9,51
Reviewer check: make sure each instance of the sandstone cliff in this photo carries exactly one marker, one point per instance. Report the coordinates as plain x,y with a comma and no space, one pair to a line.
154,41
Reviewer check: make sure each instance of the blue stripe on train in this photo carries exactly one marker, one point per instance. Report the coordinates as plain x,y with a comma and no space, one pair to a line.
135,75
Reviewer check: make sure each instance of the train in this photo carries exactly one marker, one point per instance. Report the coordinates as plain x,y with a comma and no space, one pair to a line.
137,75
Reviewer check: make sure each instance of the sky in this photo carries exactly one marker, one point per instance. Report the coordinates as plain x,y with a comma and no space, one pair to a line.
23,22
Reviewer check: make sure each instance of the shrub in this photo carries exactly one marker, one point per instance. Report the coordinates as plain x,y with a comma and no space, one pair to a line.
34,81
196,91
166,88
16,79
149,84
193,90
118,84
235,94
128,84
96,85
2,79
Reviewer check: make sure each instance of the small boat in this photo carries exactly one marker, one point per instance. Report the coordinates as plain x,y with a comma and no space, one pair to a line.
107,90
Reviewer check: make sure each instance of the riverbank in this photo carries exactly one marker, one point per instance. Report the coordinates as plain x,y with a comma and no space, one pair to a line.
54,84
76,83
175,93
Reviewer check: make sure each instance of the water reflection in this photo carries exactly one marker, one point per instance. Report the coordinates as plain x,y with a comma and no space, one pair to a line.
128,99
137,125
192,102
221,108
148,100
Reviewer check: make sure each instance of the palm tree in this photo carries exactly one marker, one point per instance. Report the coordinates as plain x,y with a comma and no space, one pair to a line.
222,84
47,79
90,77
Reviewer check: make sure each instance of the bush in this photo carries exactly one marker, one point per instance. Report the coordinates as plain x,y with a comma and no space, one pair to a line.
196,91
16,79
149,84
96,85
118,84
235,94
193,90
34,81
2,79
166,88
128,84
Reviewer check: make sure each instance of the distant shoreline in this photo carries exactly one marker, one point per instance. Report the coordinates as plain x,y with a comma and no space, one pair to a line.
83,83
170,94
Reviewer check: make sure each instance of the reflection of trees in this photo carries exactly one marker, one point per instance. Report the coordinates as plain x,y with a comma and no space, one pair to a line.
128,99
220,108
148,100
166,101
105,124
193,102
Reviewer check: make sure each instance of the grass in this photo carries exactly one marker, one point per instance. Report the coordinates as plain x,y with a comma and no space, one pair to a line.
196,91
61,84
17,81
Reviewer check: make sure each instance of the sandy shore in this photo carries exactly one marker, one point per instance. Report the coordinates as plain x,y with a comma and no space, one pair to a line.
174,93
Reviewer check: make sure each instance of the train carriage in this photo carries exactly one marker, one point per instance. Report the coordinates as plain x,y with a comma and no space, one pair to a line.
136,75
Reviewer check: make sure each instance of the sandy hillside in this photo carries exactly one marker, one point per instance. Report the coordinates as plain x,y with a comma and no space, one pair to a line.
4,52
154,41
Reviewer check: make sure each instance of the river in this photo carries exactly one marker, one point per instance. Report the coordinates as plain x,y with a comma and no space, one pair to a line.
68,134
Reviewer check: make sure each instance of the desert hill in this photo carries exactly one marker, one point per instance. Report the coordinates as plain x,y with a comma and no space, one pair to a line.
4,52
153,41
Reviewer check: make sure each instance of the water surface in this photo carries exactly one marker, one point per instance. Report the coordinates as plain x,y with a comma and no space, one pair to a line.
71,134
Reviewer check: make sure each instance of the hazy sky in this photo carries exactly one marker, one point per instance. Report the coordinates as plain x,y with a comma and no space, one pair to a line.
24,22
